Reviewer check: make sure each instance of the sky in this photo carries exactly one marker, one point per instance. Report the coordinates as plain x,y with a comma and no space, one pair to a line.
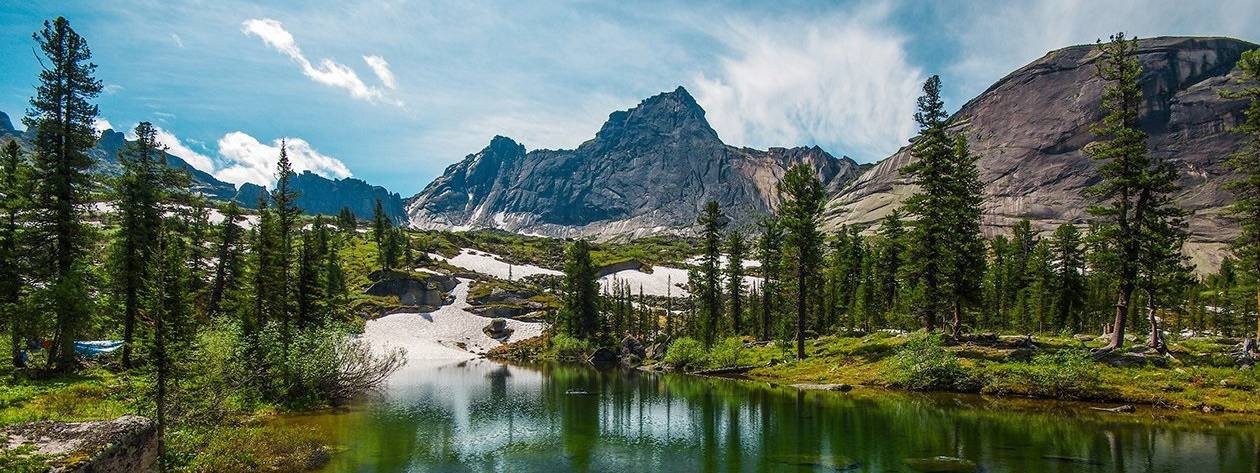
393,92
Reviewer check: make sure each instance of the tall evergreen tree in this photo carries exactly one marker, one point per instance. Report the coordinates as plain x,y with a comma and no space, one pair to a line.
170,309
933,159
965,273
1162,269
801,214
890,261
346,220
227,270
711,221
380,224
770,254
1069,269
138,199
579,314
735,250
1124,168
14,200
287,213
1246,162
62,115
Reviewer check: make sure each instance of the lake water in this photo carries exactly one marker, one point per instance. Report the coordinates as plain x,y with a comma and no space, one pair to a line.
481,416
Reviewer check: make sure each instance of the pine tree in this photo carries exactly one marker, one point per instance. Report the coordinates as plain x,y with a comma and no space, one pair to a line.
170,310
335,291
1162,269
891,259
227,270
1069,271
138,199
14,200
380,224
62,116
1246,162
346,221
579,315
711,221
1037,294
286,214
930,171
965,248
770,254
801,214
735,250
1124,168
310,278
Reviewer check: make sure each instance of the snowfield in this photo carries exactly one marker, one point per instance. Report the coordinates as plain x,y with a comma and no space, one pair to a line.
723,261
436,335
656,282
492,265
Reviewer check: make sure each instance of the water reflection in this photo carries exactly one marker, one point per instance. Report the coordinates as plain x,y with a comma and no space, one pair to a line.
482,416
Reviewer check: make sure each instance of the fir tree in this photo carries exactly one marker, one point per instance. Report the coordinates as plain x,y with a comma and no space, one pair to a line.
169,308
138,199
770,254
965,272
1246,162
891,259
579,315
14,200
1069,269
346,220
227,270
933,159
711,221
801,214
1161,231
735,249
286,214
62,116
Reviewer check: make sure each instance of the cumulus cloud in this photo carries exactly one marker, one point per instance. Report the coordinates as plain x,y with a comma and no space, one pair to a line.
381,68
248,160
100,125
327,72
176,147
843,83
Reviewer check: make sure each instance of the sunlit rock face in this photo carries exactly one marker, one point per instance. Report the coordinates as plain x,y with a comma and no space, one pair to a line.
649,169
1030,129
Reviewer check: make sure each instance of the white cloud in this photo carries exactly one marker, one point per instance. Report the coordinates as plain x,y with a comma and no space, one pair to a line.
100,125
178,41
841,82
381,68
249,160
176,147
327,72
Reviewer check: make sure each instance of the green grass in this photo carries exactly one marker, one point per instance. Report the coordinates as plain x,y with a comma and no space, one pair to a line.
94,394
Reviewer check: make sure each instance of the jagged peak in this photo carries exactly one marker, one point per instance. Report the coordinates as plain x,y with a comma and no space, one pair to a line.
5,124
675,112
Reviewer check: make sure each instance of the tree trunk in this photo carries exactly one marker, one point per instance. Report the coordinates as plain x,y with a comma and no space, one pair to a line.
129,327
1258,309
1156,340
956,328
1122,310
765,310
800,308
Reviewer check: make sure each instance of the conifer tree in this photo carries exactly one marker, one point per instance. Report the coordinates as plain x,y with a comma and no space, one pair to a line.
310,278
891,259
380,224
1069,269
1162,269
227,270
62,116
1246,162
138,199
346,220
579,315
930,171
286,214
735,249
801,214
770,254
169,308
965,248
1124,169
711,221
14,200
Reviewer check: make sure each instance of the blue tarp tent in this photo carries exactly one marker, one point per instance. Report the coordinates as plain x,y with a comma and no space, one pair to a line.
97,347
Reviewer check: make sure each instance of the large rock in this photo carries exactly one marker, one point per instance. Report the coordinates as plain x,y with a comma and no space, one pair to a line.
649,169
123,445
412,290
1030,129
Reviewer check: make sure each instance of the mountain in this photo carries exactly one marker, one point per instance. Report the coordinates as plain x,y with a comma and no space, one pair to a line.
649,169
1030,129
320,195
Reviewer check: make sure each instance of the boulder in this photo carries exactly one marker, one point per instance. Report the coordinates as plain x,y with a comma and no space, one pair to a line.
603,356
632,346
122,445
412,290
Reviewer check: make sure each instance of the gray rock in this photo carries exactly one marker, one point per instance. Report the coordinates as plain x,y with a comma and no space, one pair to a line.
603,356
122,445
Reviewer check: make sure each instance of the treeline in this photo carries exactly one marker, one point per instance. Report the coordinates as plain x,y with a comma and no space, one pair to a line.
217,315
927,265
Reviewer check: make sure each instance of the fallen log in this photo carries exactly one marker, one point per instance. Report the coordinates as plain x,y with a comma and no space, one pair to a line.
726,370
1118,409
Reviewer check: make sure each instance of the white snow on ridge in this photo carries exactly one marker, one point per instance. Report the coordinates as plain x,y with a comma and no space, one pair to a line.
658,281
723,261
493,265
435,335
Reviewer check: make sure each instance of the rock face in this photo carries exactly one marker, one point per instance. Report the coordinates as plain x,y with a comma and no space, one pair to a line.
122,445
431,290
650,169
1029,130
320,195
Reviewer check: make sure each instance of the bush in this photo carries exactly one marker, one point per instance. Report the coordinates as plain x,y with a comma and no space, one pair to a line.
685,352
330,367
727,352
923,364
567,348
262,448
1063,374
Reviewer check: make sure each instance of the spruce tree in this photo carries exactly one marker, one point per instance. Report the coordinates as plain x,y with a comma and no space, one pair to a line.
1069,270
770,254
1123,169
346,220
14,200
380,225
1246,162
138,197
286,214
1163,271
170,310
711,221
579,314
801,213
891,259
965,273
227,270
930,171
62,115
735,250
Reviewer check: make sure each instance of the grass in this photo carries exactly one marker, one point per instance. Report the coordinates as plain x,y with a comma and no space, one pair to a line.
94,394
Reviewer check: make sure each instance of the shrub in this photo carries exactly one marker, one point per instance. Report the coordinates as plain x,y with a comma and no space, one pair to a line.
262,448
923,364
568,348
1063,374
330,367
726,352
685,352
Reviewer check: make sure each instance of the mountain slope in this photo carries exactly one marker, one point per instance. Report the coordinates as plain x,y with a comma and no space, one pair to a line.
320,195
1029,130
649,169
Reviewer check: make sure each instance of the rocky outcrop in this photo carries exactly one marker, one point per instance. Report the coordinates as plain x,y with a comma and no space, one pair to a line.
123,445
317,194
1030,129
649,169
412,290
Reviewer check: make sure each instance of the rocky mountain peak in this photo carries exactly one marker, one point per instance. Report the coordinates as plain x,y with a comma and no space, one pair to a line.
670,115
5,124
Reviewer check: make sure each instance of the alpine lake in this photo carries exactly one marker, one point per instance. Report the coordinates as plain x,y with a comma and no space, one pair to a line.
484,416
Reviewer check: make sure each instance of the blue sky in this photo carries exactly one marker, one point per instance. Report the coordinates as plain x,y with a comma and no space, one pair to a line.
392,92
